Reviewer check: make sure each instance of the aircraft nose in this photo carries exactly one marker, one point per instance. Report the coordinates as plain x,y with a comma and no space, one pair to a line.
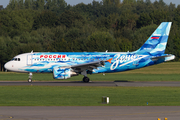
7,66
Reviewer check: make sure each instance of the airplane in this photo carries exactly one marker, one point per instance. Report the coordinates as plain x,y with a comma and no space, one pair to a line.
64,65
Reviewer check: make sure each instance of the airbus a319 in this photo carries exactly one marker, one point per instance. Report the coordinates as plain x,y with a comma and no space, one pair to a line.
64,65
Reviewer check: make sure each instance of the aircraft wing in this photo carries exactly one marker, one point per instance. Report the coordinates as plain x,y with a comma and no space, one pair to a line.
89,66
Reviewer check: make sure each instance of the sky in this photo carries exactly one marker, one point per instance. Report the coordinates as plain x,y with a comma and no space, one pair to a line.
74,2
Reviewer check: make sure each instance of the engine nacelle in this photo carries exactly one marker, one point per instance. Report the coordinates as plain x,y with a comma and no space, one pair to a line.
63,73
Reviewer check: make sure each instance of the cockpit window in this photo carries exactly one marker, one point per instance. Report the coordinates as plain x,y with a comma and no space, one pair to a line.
16,59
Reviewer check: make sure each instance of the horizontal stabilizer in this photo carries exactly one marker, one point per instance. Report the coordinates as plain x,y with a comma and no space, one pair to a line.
166,57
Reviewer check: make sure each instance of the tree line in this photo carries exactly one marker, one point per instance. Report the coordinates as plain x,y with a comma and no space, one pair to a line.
55,26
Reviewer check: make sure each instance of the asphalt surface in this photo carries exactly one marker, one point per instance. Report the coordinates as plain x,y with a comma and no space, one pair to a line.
79,83
90,113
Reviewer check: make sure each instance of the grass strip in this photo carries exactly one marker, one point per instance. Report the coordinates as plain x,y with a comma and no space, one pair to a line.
88,96
95,77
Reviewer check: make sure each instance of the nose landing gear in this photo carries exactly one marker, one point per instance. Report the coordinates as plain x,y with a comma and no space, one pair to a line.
30,77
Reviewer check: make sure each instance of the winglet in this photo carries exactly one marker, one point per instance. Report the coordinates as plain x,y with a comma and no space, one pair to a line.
109,60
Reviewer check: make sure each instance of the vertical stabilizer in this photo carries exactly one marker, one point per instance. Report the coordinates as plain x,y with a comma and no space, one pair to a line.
156,44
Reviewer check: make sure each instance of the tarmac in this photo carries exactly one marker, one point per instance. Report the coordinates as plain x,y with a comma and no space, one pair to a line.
90,113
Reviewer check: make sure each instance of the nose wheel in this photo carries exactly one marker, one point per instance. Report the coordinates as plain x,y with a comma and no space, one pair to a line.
30,77
29,80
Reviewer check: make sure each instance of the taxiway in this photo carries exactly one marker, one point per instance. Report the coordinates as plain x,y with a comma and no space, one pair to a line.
90,113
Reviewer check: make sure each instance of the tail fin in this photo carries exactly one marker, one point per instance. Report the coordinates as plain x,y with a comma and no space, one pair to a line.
156,44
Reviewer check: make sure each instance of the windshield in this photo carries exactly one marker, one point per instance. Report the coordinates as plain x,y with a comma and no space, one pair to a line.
16,59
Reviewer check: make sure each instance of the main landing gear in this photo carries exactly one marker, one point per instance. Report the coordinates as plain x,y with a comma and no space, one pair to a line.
30,77
85,79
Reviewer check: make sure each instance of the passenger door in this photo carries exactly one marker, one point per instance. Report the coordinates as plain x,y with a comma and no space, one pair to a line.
29,59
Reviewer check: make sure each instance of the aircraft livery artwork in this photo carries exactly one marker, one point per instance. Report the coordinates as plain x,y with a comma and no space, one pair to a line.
64,65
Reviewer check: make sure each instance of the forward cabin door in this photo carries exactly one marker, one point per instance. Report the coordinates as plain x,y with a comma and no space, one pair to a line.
29,59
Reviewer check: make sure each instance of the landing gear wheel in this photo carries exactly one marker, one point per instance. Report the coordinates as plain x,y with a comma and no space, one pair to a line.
30,77
30,80
86,79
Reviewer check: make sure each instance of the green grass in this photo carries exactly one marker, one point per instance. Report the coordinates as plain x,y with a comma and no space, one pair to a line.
94,77
163,72
88,96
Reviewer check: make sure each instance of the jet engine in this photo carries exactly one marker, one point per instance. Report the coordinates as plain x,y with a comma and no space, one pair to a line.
63,73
